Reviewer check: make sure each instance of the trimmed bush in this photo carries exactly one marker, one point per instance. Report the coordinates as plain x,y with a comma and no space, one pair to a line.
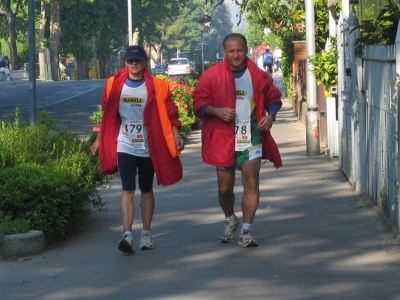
47,176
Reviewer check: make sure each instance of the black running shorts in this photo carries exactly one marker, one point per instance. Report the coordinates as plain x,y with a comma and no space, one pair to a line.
129,165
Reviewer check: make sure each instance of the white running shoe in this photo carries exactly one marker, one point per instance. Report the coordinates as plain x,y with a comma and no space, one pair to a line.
246,240
126,244
228,235
146,242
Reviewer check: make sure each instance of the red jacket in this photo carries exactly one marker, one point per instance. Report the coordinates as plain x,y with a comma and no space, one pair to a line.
216,87
168,169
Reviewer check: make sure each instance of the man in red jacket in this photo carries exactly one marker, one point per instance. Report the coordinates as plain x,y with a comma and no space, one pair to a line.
238,104
139,132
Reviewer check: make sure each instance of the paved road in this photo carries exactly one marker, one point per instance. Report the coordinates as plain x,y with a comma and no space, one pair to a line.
318,240
70,102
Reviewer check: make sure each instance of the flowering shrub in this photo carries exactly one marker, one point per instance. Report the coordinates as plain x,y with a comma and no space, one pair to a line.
181,95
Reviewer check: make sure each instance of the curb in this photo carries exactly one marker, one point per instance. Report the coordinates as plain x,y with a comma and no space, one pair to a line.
16,82
388,223
380,214
12,82
32,242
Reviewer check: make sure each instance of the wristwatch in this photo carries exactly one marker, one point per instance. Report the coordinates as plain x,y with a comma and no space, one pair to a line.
273,115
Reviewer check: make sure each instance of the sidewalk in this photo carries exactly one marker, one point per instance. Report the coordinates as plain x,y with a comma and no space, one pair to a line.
318,240
14,82
16,79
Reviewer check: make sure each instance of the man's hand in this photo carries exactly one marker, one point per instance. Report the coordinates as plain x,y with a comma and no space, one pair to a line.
180,143
95,146
265,123
225,113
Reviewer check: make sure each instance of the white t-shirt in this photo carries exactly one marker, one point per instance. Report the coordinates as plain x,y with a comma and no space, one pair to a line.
260,62
278,54
132,137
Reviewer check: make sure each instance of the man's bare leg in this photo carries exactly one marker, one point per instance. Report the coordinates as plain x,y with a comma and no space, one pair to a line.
251,197
127,209
251,194
147,209
226,197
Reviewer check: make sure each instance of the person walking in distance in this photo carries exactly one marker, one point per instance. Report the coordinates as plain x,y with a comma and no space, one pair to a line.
268,61
278,58
5,66
232,99
139,133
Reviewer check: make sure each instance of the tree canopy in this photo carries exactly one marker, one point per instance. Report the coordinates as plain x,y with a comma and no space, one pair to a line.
88,29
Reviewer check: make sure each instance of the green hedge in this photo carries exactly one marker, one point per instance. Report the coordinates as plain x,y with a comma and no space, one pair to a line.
47,177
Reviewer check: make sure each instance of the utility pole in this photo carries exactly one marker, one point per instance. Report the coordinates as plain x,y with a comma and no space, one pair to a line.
312,118
32,61
398,109
130,22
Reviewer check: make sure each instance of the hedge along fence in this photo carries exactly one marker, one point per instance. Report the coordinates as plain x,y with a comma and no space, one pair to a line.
47,177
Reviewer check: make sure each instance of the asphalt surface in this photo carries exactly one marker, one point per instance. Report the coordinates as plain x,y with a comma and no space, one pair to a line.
318,239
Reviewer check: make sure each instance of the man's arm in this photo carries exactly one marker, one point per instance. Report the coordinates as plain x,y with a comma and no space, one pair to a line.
224,113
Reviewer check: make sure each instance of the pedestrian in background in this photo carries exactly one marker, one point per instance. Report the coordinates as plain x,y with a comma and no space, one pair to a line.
139,133
5,66
260,61
268,61
232,99
278,58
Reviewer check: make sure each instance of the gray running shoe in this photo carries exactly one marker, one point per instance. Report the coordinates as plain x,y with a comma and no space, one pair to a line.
126,244
146,242
228,235
246,240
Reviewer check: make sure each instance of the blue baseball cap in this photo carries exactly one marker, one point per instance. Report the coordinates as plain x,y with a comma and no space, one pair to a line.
135,52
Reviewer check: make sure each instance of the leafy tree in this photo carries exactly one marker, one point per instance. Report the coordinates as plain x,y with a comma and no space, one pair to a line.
55,34
41,40
184,34
10,10
97,28
151,29
379,31
286,19
81,24
111,37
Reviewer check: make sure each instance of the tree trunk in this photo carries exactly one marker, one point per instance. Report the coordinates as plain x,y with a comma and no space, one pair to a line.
10,17
102,67
83,73
55,33
147,48
42,57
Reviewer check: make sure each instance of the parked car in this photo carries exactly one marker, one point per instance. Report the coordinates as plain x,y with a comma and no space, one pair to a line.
159,69
178,67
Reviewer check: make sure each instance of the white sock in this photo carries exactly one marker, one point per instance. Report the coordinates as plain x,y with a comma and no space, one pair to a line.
246,227
144,232
127,232
231,218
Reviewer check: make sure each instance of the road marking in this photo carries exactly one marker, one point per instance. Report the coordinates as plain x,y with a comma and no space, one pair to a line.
62,100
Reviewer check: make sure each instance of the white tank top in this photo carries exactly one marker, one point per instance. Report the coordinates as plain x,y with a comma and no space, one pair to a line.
244,96
244,107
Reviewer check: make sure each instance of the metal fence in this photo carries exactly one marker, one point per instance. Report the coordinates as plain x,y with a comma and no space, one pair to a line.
379,74
369,127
